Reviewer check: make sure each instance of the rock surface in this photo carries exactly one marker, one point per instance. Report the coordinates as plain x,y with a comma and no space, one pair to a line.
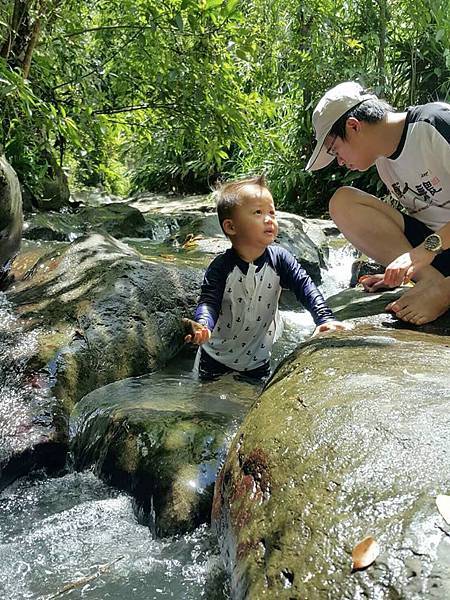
161,440
350,438
117,219
96,313
11,215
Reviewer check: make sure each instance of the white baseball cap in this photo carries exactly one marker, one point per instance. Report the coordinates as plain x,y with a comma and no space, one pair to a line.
335,103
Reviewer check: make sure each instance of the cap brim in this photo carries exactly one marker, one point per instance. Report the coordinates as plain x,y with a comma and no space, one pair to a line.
319,158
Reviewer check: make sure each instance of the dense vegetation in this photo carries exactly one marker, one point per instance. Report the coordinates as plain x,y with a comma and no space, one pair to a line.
144,94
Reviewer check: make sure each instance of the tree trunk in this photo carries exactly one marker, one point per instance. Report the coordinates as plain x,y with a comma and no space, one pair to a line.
19,10
381,50
32,43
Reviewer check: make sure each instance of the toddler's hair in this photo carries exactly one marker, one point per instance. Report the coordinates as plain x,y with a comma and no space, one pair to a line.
228,195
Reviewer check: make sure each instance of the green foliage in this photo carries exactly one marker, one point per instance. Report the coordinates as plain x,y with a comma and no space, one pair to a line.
170,95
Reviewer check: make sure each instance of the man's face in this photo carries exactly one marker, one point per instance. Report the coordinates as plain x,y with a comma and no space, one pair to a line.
355,152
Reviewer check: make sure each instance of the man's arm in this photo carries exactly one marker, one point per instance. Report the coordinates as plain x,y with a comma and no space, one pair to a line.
404,267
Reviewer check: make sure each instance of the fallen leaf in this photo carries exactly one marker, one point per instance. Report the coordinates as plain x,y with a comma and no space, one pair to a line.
365,552
191,241
167,257
443,505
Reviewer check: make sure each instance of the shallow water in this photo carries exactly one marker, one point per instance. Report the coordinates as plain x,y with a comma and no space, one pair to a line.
57,532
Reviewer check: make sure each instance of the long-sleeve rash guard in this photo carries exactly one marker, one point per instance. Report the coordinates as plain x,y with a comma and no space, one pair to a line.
239,304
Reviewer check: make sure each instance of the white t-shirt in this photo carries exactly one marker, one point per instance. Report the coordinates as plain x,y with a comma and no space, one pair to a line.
418,173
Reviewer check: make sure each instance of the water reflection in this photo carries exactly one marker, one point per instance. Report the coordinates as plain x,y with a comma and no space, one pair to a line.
175,388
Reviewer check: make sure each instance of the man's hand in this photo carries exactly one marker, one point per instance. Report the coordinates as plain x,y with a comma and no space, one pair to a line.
405,266
331,326
199,334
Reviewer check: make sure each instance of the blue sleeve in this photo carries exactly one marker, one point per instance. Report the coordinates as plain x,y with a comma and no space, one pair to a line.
294,277
210,301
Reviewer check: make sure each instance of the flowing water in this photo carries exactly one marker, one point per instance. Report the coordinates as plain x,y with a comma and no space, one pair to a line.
75,533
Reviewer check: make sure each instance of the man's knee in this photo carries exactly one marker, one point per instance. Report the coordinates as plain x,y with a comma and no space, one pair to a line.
340,199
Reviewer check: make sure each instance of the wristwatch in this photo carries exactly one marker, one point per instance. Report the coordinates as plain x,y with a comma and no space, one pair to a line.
433,243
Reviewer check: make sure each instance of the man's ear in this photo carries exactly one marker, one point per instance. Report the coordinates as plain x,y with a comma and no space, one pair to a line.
352,124
228,227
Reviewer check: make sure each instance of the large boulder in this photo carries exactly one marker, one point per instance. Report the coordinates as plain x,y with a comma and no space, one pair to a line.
350,438
104,313
11,216
95,313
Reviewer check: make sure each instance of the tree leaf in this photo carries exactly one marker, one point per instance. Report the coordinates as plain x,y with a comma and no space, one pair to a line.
210,4
443,505
365,552
178,20
230,6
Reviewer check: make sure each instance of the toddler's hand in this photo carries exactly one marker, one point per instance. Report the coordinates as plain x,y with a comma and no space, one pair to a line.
331,326
199,334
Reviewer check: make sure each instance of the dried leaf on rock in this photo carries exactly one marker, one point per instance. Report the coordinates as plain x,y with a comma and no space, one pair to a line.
167,257
443,505
365,552
191,241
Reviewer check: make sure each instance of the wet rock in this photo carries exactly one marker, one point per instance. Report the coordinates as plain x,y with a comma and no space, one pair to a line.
349,438
167,459
33,430
118,219
161,438
355,303
104,313
11,216
292,236
95,313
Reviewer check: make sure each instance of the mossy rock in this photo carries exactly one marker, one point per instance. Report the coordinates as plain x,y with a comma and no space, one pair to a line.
167,459
350,438
118,316
117,219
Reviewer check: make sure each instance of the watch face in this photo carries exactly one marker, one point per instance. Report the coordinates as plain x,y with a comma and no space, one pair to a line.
433,242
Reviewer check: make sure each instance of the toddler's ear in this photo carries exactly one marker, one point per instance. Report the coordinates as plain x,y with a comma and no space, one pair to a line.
228,227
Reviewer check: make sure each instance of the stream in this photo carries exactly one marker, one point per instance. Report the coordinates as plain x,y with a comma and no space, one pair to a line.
57,532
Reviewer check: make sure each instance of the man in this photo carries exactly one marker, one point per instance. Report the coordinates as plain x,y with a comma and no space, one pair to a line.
411,151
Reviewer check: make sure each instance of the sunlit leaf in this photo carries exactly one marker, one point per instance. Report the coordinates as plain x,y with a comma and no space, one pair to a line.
354,44
229,7
212,4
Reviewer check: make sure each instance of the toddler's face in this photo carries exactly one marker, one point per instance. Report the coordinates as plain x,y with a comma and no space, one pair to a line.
254,220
